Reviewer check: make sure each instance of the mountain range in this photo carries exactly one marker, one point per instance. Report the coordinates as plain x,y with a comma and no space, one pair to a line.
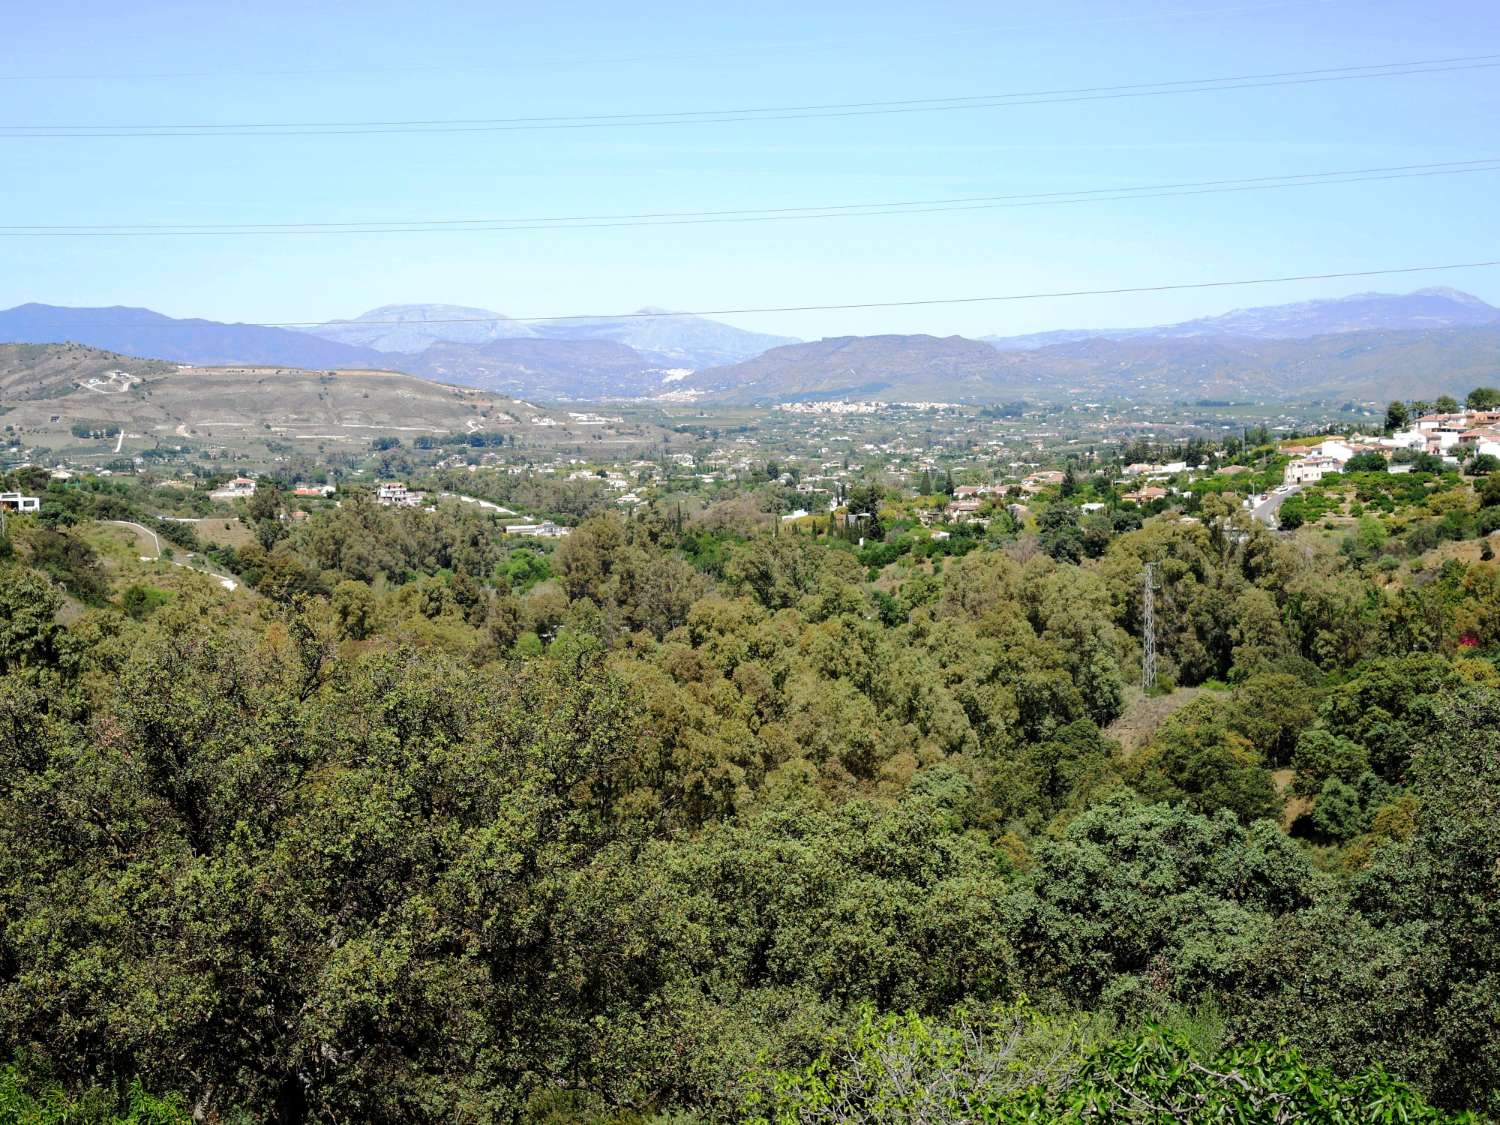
664,339
1425,308
141,332
414,328
1368,365
571,358
1369,345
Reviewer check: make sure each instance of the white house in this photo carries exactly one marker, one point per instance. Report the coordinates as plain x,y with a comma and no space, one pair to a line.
235,489
544,530
1305,470
394,494
15,502
1335,450
1406,439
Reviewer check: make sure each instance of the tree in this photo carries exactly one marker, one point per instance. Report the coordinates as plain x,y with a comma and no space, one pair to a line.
1367,462
1338,815
1292,513
265,511
1197,757
354,605
1489,491
1396,416
1483,465
1135,900
1446,404
1483,398
1403,976
29,633
1060,535
863,503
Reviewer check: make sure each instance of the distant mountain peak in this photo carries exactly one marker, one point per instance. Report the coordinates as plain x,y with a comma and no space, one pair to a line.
425,312
1458,296
414,328
673,339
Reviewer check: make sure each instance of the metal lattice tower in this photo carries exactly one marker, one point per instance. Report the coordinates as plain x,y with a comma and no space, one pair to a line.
1148,627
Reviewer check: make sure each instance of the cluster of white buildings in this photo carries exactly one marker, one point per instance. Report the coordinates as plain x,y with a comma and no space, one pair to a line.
1438,434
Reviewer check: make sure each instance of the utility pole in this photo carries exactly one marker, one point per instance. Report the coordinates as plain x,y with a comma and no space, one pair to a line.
1148,659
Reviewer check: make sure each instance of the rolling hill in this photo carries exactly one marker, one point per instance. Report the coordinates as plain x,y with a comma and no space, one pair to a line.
46,371
1370,365
546,369
259,412
883,367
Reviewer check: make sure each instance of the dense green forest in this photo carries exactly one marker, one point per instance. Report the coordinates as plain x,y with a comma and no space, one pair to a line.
687,821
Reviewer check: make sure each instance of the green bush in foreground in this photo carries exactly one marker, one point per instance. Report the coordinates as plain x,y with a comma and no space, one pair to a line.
1021,1067
26,1100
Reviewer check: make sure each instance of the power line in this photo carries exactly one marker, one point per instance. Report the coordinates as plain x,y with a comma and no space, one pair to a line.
655,314
719,52
763,113
766,214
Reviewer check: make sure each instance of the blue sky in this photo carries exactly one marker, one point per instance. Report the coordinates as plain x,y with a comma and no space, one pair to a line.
77,63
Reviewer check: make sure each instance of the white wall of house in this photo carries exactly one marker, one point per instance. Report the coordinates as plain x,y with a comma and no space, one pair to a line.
15,502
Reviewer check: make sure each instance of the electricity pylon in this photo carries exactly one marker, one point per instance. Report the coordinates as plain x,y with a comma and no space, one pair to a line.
1148,660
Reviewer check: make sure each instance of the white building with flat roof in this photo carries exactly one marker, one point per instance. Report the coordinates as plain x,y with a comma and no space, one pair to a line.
1306,470
235,489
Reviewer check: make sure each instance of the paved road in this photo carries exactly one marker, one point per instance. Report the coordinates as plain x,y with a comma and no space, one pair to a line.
1266,510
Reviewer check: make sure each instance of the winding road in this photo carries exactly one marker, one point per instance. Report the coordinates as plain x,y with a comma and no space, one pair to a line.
1266,510
142,531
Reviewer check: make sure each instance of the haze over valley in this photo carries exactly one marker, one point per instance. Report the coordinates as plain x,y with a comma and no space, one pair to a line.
1367,346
